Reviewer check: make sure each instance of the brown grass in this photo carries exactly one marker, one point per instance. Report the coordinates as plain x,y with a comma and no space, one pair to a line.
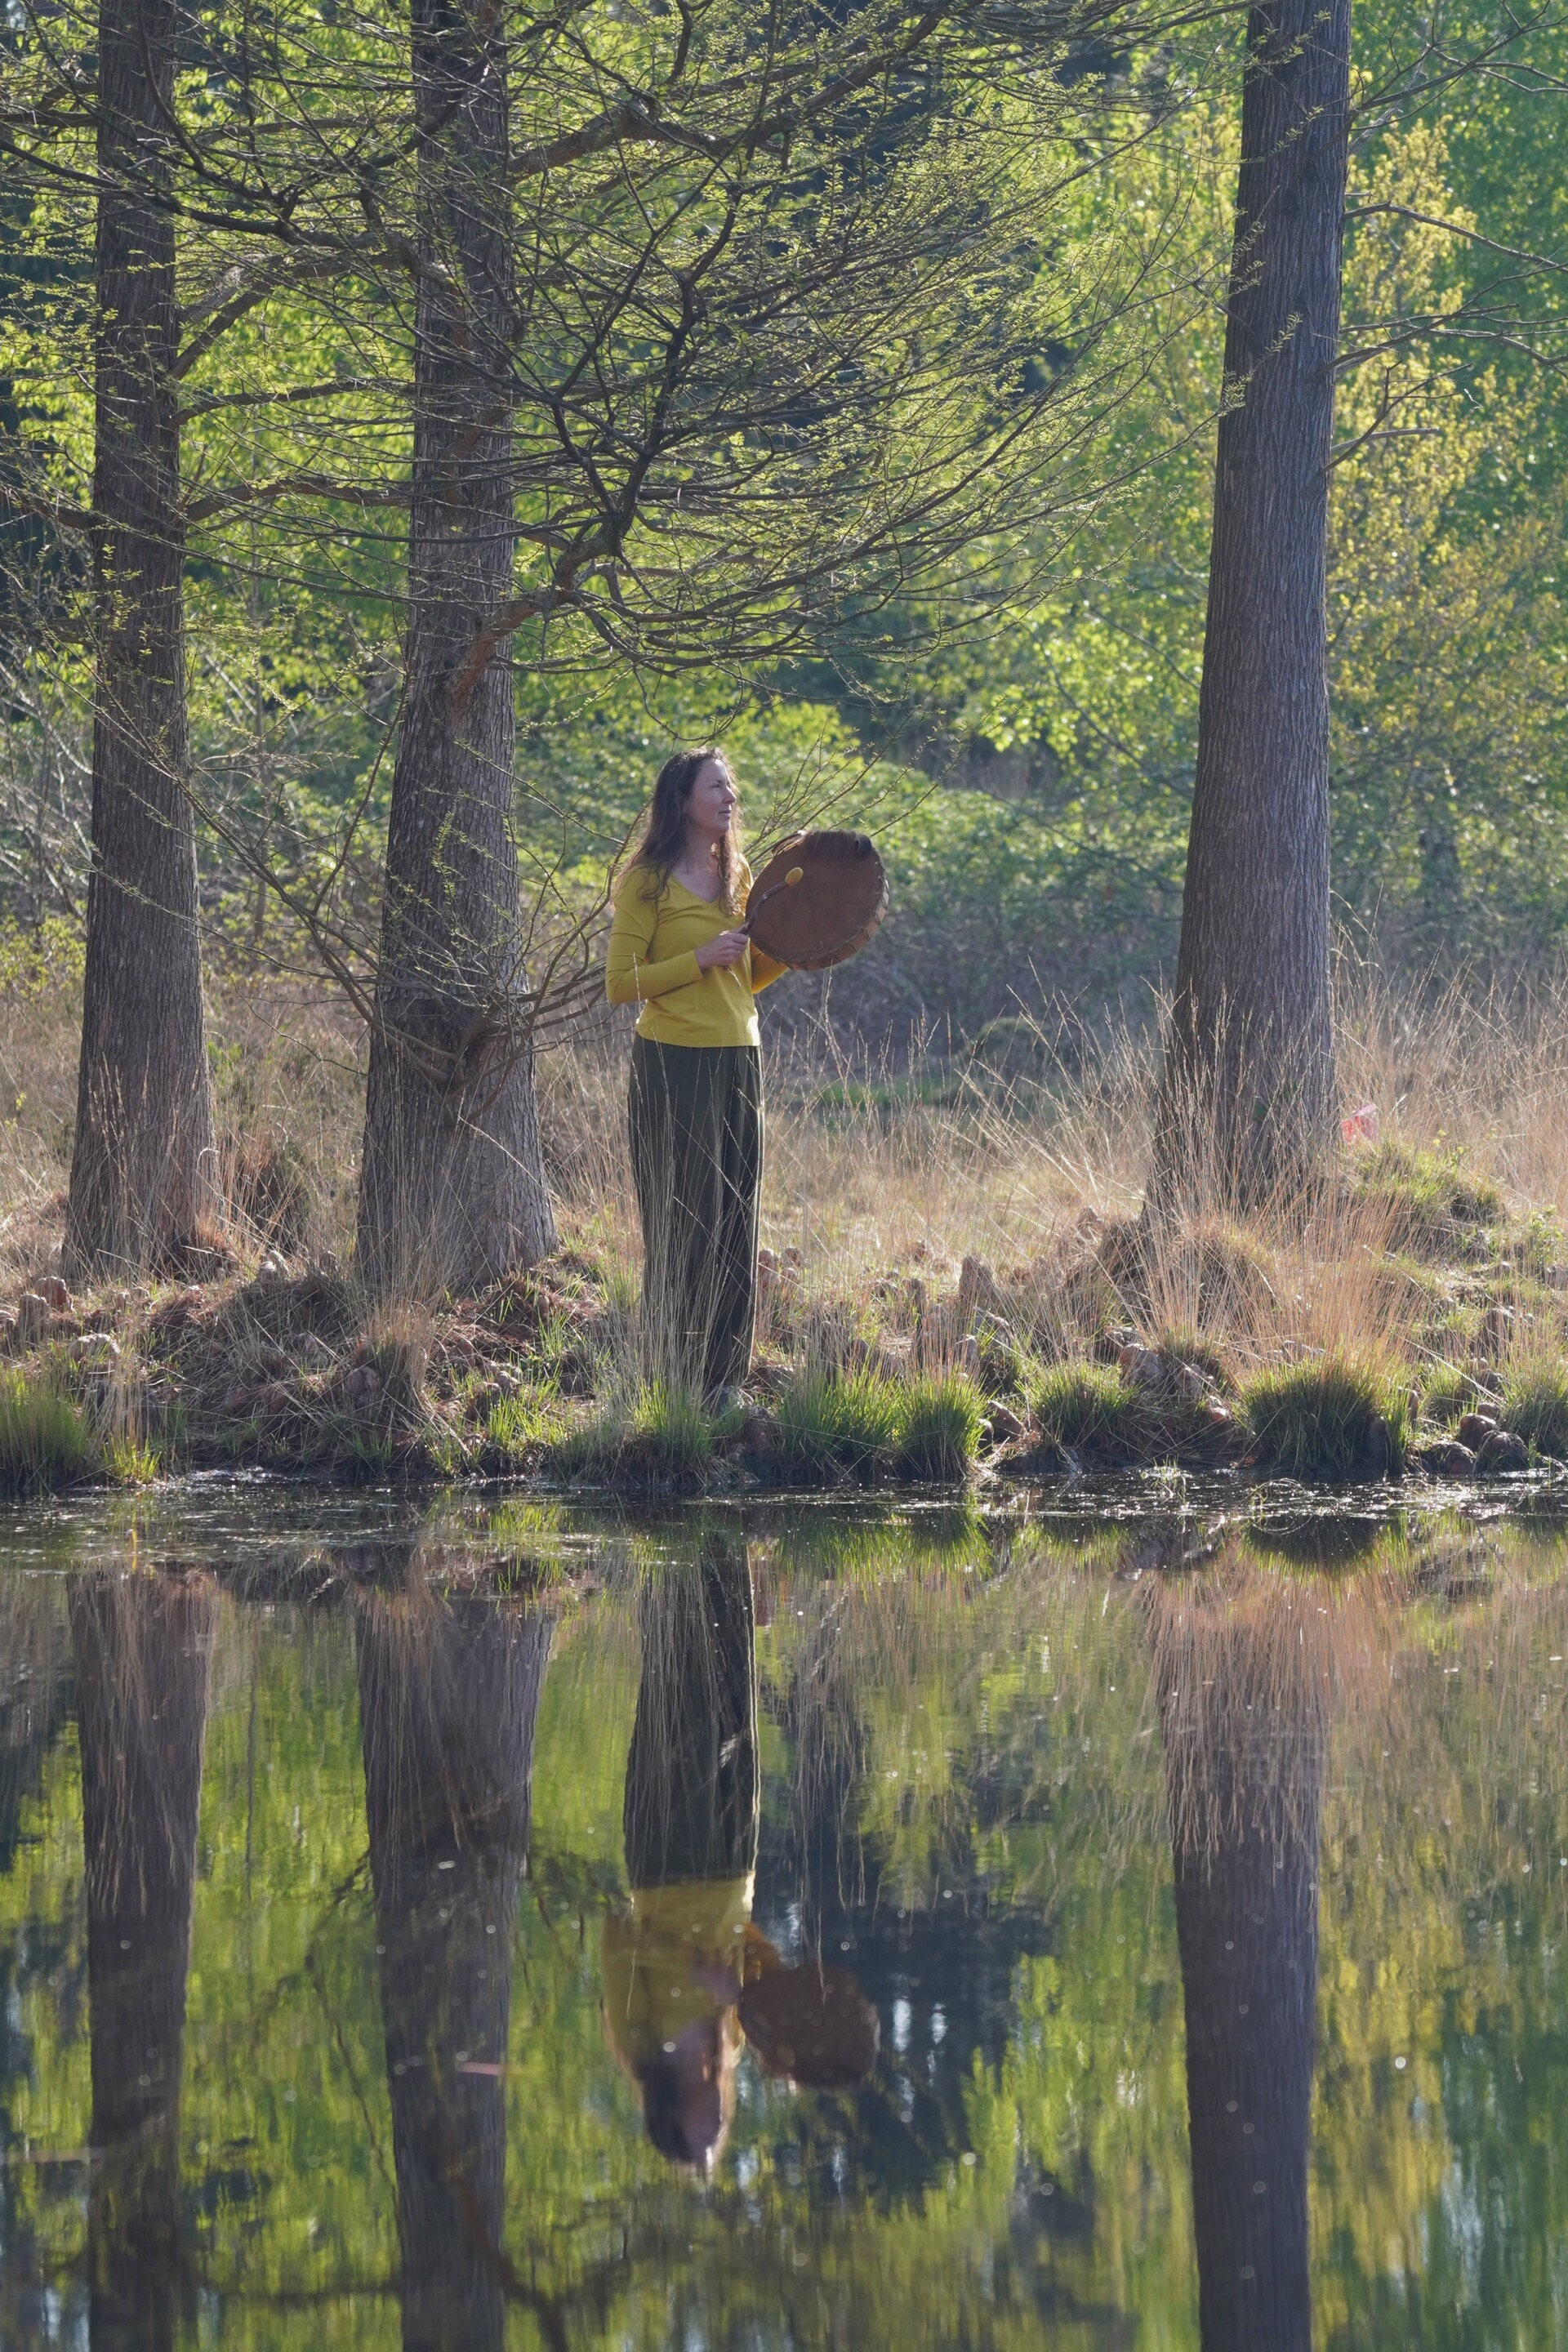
918,1214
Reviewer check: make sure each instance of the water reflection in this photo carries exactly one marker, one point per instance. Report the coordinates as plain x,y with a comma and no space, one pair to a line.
689,1977
142,1649
449,1696
1241,1692
387,1960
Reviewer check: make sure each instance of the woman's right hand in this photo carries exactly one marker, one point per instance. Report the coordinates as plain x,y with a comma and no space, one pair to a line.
727,949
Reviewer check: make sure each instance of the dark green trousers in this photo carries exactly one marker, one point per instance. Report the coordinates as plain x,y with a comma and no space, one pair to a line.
696,1115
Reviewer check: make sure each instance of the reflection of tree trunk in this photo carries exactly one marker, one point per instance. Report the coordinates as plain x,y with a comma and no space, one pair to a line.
142,1648
448,1702
1245,1742
34,1697
691,1793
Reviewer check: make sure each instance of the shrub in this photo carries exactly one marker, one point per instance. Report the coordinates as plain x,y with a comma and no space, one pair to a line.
45,1439
941,1418
1331,1418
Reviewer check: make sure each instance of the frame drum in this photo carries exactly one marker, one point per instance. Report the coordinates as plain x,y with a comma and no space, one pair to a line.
830,913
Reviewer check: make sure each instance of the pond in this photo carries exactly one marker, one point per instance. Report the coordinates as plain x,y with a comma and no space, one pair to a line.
502,1924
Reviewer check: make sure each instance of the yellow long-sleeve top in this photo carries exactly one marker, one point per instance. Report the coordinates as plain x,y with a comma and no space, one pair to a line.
653,963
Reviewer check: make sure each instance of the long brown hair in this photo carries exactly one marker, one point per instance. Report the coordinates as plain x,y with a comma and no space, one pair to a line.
664,838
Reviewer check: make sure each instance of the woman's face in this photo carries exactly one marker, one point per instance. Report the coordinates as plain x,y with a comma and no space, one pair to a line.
712,800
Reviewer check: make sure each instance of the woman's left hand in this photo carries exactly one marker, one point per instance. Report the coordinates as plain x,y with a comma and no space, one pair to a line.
727,949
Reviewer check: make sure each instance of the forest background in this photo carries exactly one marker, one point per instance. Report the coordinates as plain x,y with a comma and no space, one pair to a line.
994,669
1019,733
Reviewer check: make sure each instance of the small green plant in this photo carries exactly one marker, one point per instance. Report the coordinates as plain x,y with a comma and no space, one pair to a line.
1334,1417
517,1426
1447,1393
1535,1405
828,1423
130,1462
45,1438
940,1416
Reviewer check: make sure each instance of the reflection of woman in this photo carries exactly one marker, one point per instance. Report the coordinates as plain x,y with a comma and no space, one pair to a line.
688,1977
696,1105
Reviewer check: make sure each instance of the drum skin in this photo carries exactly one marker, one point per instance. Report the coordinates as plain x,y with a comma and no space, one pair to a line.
830,913
813,2025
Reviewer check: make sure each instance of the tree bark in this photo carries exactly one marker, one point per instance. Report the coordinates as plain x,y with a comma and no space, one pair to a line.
448,1712
1246,1733
452,1190
142,1648
143,1173
1247,1098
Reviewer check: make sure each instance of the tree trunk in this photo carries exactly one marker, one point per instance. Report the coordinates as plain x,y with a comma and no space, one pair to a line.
143,1173
448,1712
1247,1098
1246,1733
142,1648
452,1191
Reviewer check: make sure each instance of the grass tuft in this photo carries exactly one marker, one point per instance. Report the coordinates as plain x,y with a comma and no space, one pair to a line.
518,1426
1535,1406
130,1462
1083,1406
662,1435
45,1438
1447,1394
1336,1416
942,1415
1425,1195
831,1422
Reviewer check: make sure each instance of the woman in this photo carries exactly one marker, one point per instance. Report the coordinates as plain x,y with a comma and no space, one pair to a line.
696,1104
